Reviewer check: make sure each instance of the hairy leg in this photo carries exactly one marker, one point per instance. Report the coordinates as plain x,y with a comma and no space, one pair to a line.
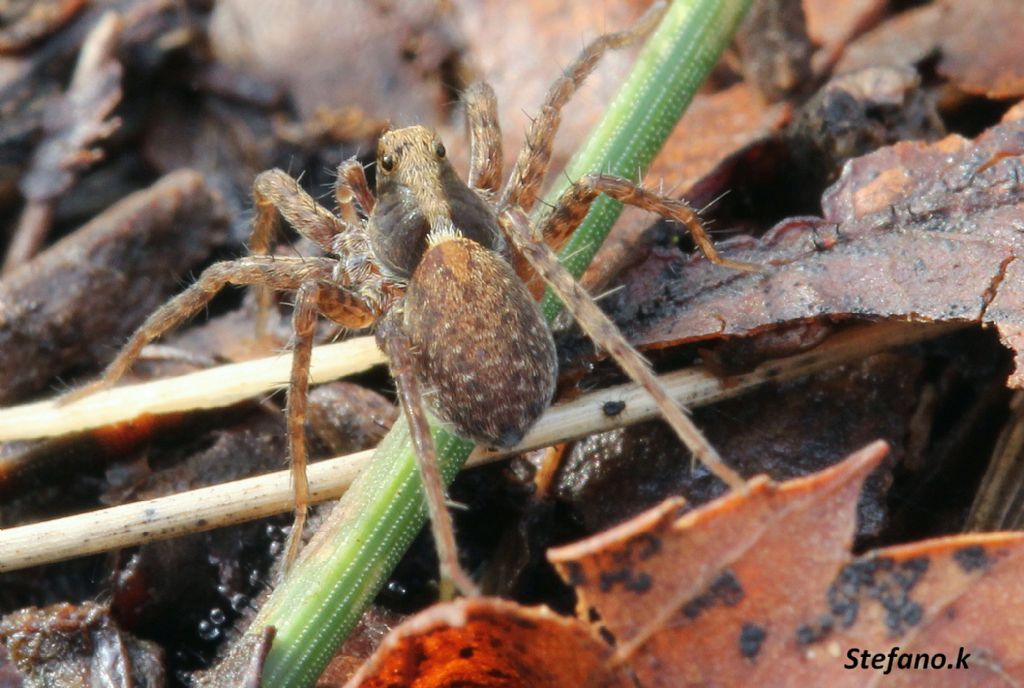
396,346
276,194
485,156
304,326
606,335
532,164
575,202
280,273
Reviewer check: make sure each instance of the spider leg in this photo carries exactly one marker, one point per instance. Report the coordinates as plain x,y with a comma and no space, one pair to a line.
606,335
575,202
280,273
275,195
304,326
351,185
532,164
485,156
397,347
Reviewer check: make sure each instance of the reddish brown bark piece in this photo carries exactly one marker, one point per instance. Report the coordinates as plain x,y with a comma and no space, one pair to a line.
760,589
929,232
489,642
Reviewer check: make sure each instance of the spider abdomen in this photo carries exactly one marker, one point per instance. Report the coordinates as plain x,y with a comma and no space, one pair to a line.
484,353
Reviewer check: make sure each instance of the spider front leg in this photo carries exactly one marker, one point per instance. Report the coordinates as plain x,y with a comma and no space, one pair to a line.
517,228
399,352
280,273
275,195
485,157
532,164
574,204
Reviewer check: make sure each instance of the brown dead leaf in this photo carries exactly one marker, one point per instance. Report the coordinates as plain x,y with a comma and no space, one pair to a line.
78,647
781,431
900,41
922,231
87,292
26,21
72,125
981,52
489,642
496,33
775,49
715,126
385,57
759,589
832,24
81,118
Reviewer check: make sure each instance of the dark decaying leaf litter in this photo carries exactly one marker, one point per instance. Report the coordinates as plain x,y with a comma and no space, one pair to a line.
867,154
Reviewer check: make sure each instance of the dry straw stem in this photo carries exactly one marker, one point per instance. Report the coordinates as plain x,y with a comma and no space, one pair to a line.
244,500
212,388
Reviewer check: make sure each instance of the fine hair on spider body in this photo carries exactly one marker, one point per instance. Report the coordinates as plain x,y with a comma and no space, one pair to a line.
439,268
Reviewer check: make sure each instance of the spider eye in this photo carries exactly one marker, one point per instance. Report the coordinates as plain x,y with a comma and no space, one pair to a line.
387,163
439,149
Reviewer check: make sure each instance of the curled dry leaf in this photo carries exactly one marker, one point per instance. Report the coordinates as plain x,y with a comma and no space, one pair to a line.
760,589
489,642
927,232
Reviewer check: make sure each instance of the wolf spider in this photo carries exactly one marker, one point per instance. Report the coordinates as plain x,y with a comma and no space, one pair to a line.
439,267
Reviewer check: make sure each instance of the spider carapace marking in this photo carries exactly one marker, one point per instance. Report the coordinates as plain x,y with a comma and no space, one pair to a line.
440,266
481,347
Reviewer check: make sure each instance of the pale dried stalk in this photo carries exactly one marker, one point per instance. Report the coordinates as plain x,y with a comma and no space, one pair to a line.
211,388
243,500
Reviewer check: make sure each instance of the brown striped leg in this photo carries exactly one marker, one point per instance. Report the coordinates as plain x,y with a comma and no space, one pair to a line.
532,164
485,156
304,326
397,348
280,273
606,335
276,194
575,202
